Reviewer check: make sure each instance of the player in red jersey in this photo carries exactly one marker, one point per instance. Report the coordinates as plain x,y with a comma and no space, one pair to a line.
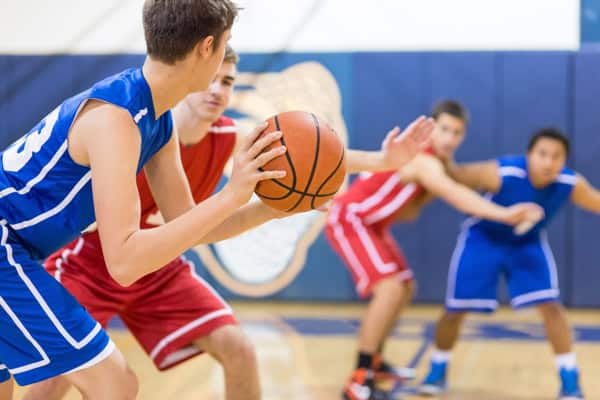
172,312
358,229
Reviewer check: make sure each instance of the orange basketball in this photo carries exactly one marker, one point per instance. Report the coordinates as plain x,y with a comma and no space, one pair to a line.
314,163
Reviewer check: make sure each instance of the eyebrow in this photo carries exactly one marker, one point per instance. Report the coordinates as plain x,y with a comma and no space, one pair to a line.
229,78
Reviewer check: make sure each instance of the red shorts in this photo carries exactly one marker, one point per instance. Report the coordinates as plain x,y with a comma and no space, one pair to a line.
166,311
369,251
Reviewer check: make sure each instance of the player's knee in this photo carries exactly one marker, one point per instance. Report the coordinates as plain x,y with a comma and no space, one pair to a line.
233,348
122,384
409,289
54,388
551,310
390,288
454,317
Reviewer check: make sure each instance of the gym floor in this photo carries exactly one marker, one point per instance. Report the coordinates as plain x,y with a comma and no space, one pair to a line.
306,352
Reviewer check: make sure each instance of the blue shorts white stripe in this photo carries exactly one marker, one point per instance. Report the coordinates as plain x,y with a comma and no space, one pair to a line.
479,261
45,332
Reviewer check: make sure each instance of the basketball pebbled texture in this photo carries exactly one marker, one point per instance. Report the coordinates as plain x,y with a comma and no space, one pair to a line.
314,163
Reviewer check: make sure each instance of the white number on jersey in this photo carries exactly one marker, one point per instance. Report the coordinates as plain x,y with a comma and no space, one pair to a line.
13,159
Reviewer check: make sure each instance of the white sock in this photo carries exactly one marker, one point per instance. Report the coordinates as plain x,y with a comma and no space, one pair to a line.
567,361
440,356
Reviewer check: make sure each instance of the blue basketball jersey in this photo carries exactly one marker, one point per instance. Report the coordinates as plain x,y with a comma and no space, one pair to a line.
45,197
516,187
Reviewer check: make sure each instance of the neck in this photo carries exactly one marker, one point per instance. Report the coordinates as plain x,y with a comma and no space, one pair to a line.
537,182
167,84
190,128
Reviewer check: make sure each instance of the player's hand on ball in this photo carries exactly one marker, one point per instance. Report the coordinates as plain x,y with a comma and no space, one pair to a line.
401,147
249,159
523,216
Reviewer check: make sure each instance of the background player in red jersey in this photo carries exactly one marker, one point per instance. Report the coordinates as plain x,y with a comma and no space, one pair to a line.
358,229
172,312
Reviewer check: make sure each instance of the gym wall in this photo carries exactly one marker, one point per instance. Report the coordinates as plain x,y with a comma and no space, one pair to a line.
516,65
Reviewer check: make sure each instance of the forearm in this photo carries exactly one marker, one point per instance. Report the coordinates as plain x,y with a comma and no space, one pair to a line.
177,209
367,161
469,202
247,217
586,196
147,250
463,174
591,204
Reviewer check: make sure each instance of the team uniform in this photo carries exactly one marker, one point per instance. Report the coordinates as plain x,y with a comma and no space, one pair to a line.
45,202
358,228
486,250
170,308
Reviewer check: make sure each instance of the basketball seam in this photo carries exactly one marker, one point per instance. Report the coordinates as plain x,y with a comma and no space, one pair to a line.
283,185
339,164
291,189
315,161
287,155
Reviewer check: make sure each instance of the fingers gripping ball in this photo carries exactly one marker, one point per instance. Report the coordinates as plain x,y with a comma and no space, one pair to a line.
314,163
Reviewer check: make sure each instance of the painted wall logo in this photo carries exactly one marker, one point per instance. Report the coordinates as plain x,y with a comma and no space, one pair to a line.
266,259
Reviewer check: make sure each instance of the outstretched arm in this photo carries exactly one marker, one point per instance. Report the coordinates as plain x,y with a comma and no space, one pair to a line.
112,143
481,175
430,174
585,195
397,149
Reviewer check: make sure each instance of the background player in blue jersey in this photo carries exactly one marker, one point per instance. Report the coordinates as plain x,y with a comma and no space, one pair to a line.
79,165
486,250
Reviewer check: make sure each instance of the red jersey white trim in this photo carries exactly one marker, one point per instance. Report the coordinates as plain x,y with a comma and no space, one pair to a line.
377,198
397,203
222,129
373,200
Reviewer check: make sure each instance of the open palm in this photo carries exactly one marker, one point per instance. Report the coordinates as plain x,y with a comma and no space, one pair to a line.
400,147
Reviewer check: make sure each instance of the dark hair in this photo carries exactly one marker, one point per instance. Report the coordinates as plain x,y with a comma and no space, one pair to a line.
230,56
173,27
451,107
549,133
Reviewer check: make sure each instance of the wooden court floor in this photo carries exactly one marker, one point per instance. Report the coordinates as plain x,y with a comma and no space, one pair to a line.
306,351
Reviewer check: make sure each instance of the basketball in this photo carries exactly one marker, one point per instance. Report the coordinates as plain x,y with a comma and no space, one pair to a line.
314,163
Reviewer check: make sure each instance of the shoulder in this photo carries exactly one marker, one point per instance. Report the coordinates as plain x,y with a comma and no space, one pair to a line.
568,177
127,89
223,125
421,167
427,160
512,165
102,114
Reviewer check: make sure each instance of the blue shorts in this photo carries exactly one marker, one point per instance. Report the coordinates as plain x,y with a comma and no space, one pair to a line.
44,332
479,261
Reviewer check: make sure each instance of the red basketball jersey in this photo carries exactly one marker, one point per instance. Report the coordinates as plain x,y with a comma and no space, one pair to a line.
203,163
378,198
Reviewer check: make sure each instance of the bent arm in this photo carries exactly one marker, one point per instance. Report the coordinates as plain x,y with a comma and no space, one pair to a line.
168,182
245,218
431,175
585,195
113,145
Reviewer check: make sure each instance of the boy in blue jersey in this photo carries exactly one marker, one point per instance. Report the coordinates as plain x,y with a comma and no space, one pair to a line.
79,166
487,250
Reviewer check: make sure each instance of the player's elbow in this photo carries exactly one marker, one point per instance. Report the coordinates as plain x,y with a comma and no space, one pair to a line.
120,272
